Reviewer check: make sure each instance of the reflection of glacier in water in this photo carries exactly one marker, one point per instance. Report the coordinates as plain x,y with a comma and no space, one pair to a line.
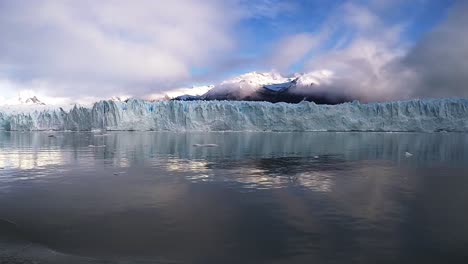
154,196
416,115
256,159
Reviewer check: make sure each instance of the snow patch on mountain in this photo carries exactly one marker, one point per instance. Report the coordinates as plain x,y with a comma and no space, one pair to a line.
193,91
33,101
247,86
121,98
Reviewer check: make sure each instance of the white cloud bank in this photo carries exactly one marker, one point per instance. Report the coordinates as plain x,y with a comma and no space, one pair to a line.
98,48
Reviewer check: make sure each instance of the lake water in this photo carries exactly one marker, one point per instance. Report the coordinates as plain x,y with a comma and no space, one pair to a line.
152,197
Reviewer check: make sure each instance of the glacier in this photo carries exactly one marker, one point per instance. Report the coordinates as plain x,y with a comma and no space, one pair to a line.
428,115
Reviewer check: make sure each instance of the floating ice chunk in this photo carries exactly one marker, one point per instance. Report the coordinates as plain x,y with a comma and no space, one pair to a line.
205,145
407,154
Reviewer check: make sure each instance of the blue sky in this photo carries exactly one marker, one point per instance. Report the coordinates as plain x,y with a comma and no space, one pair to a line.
78,49
262,31
295,17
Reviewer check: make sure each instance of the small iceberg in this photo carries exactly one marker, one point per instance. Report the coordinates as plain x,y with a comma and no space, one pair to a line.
205,145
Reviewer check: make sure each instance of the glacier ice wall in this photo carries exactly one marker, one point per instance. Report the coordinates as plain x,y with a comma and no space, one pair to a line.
415,115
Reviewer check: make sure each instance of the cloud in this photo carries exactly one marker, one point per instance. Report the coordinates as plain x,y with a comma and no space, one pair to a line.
173,93
440,59
366,69
372,61
359,17
367,56
97,47
370,57
291,49
270,9
362,55
13,92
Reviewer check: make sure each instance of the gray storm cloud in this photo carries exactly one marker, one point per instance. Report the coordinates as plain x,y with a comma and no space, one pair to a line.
440,59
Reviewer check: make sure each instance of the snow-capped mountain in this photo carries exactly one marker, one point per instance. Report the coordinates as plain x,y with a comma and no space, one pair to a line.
273,87
180,93
244,86
31,101
25,98
20,105
119,98
255,79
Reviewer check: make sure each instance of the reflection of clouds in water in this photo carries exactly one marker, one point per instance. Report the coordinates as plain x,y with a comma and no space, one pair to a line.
317,181
260,179
29,160
368,195
183,165
253,174
123,162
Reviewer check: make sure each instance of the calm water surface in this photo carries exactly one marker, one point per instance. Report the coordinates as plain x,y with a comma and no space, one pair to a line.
151,197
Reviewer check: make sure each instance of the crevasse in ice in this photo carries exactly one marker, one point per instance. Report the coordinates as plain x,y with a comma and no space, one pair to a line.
135,114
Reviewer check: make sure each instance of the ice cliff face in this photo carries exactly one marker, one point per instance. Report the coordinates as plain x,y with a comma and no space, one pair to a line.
416,115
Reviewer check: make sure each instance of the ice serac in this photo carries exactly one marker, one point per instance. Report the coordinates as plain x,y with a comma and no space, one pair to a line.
134,114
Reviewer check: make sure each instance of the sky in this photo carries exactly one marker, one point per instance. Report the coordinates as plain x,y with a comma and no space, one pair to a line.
77,51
